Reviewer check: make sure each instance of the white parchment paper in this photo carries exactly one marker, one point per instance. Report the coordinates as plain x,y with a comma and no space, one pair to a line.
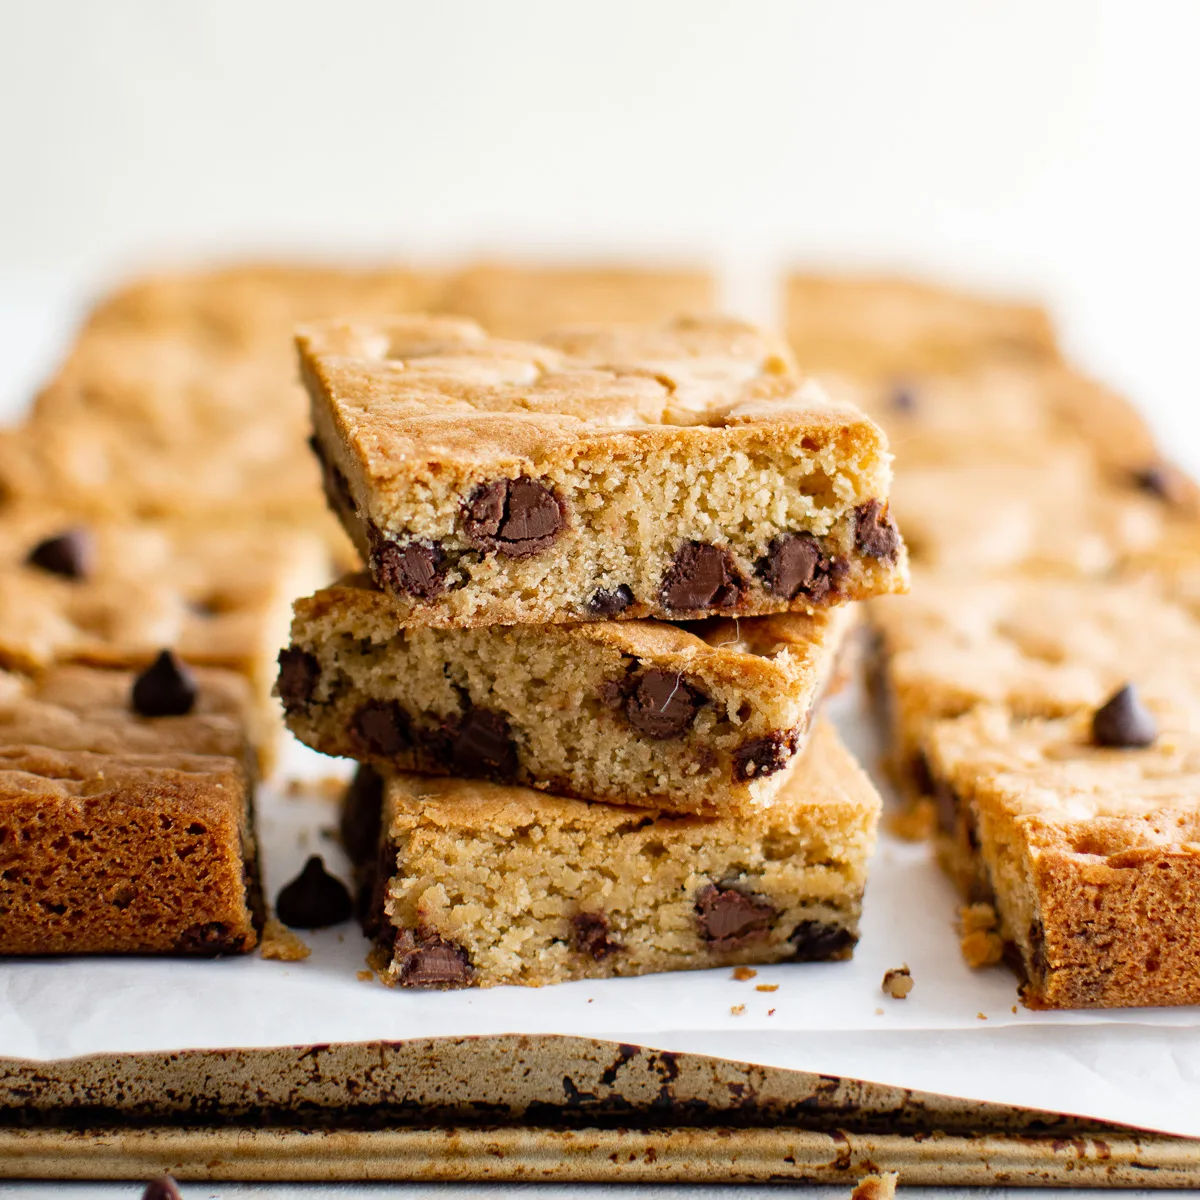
957,1033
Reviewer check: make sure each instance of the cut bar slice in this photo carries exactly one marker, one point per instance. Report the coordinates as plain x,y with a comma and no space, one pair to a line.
675,472
479,884
121,833
702,717
115,593
1090,855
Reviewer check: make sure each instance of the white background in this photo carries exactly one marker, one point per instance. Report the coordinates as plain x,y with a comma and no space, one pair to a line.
1048,147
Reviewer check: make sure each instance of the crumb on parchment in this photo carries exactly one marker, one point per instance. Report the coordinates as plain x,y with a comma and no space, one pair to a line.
876,1187
737,1010
743,973
281,944
898,982
364,976
766,987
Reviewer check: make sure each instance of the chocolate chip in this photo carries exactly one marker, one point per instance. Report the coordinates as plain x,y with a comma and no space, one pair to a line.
416,569
1039,963
381,727
314,899
661,705
702,576
904,399
875,533
765,755
428,960
792,564
70,554
817,942
362,813
210,939
1124,722
613,694
589,935
609,604
163,1188
165,688
730,919
482,745
299,673
514,517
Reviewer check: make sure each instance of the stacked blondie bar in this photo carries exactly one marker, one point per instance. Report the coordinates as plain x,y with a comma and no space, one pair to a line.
1040,685
609,576
159,512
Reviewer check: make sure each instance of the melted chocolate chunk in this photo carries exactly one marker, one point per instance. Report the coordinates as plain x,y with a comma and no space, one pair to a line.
210,940
661,705
70,554
613,694
417,569
589,935
793,564
875,532
314,899
1124,722
362,814
514,517
817,942
482,745
163,1188
381,727
765,755
730,919
609,604
1039,964
165,688
299,673
702,576
428,960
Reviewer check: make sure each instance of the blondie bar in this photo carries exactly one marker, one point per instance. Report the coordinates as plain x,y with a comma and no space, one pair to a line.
122,833
890,328
700,718
1088,851
115,593
479,884
678,472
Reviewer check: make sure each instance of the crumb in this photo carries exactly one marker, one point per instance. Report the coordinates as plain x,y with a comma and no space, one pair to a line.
766,987
341,937
898,982
770,1012
743,973
364,976
378,959
981,1016
879,1012
876,1187
589,999
914,824
281,944
1014,1008
737,1010
981,944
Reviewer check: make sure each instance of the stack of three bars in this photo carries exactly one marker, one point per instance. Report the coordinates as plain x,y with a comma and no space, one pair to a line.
608,584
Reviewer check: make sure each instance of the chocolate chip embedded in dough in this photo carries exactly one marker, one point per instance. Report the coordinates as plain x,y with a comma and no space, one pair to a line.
730,919
1124,722
875,532
428,960
416,569
163,1188
210,939
702,576
792,565
482,744
589,935
70,554
610,604
514,517
815,941
662,705
381,727
314,899
764,756
165,688
299,674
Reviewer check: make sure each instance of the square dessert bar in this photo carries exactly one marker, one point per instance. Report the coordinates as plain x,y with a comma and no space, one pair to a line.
890,328
1039,647
676,472
478,884
1090,854
114,594
703,717
121,833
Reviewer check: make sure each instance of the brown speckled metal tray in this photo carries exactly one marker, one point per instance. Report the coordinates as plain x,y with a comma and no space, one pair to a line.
534,1108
